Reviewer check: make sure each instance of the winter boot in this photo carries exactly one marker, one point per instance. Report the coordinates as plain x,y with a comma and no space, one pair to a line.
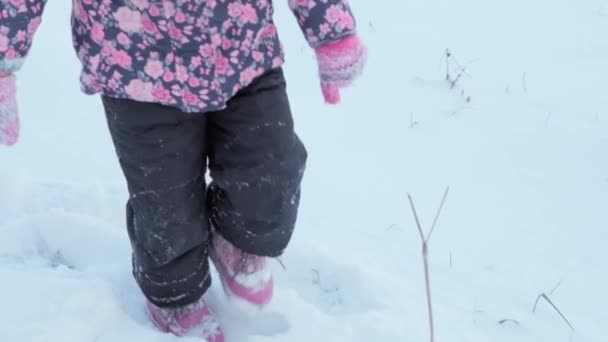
194,319
244,276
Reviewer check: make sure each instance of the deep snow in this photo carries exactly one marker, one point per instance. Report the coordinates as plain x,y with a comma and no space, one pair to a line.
525,158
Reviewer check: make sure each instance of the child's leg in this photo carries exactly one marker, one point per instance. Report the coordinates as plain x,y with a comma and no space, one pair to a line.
162,153
257,163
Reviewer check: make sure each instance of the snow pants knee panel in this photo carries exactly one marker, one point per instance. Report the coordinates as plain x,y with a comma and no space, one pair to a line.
257,163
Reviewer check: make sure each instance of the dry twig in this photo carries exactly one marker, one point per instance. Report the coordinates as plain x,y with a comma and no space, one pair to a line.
425,256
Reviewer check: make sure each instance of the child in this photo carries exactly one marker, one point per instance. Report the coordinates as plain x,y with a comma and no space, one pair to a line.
186,85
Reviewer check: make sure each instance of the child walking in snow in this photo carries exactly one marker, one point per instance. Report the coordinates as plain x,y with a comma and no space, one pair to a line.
189,85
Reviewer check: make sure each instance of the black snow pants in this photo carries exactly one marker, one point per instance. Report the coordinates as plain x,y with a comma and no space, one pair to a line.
256,163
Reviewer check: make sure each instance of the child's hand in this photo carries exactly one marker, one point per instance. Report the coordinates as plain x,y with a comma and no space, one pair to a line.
340,63
9,119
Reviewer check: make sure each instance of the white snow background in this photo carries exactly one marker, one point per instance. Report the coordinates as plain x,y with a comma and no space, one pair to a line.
522,140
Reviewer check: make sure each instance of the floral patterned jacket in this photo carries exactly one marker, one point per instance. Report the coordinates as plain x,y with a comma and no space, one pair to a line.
190,54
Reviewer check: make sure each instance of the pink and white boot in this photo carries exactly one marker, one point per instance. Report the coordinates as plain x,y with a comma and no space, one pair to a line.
244,276
194,319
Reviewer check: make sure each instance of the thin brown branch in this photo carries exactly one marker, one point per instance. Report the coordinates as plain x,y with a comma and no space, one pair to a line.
445,195
416,217
455,81
451,264
427,278
448,54
463,69
280,261
556,287
508,320
425,257
545,297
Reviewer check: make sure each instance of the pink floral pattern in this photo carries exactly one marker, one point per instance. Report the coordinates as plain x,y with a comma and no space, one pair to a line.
323,20
190,54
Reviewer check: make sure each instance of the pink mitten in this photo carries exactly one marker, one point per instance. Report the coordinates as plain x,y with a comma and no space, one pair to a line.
9,119
340,63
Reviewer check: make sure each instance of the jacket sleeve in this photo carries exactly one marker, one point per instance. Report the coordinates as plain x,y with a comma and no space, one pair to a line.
19,20
323,21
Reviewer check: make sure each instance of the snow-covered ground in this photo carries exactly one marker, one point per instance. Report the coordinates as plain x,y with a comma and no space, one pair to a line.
526,159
